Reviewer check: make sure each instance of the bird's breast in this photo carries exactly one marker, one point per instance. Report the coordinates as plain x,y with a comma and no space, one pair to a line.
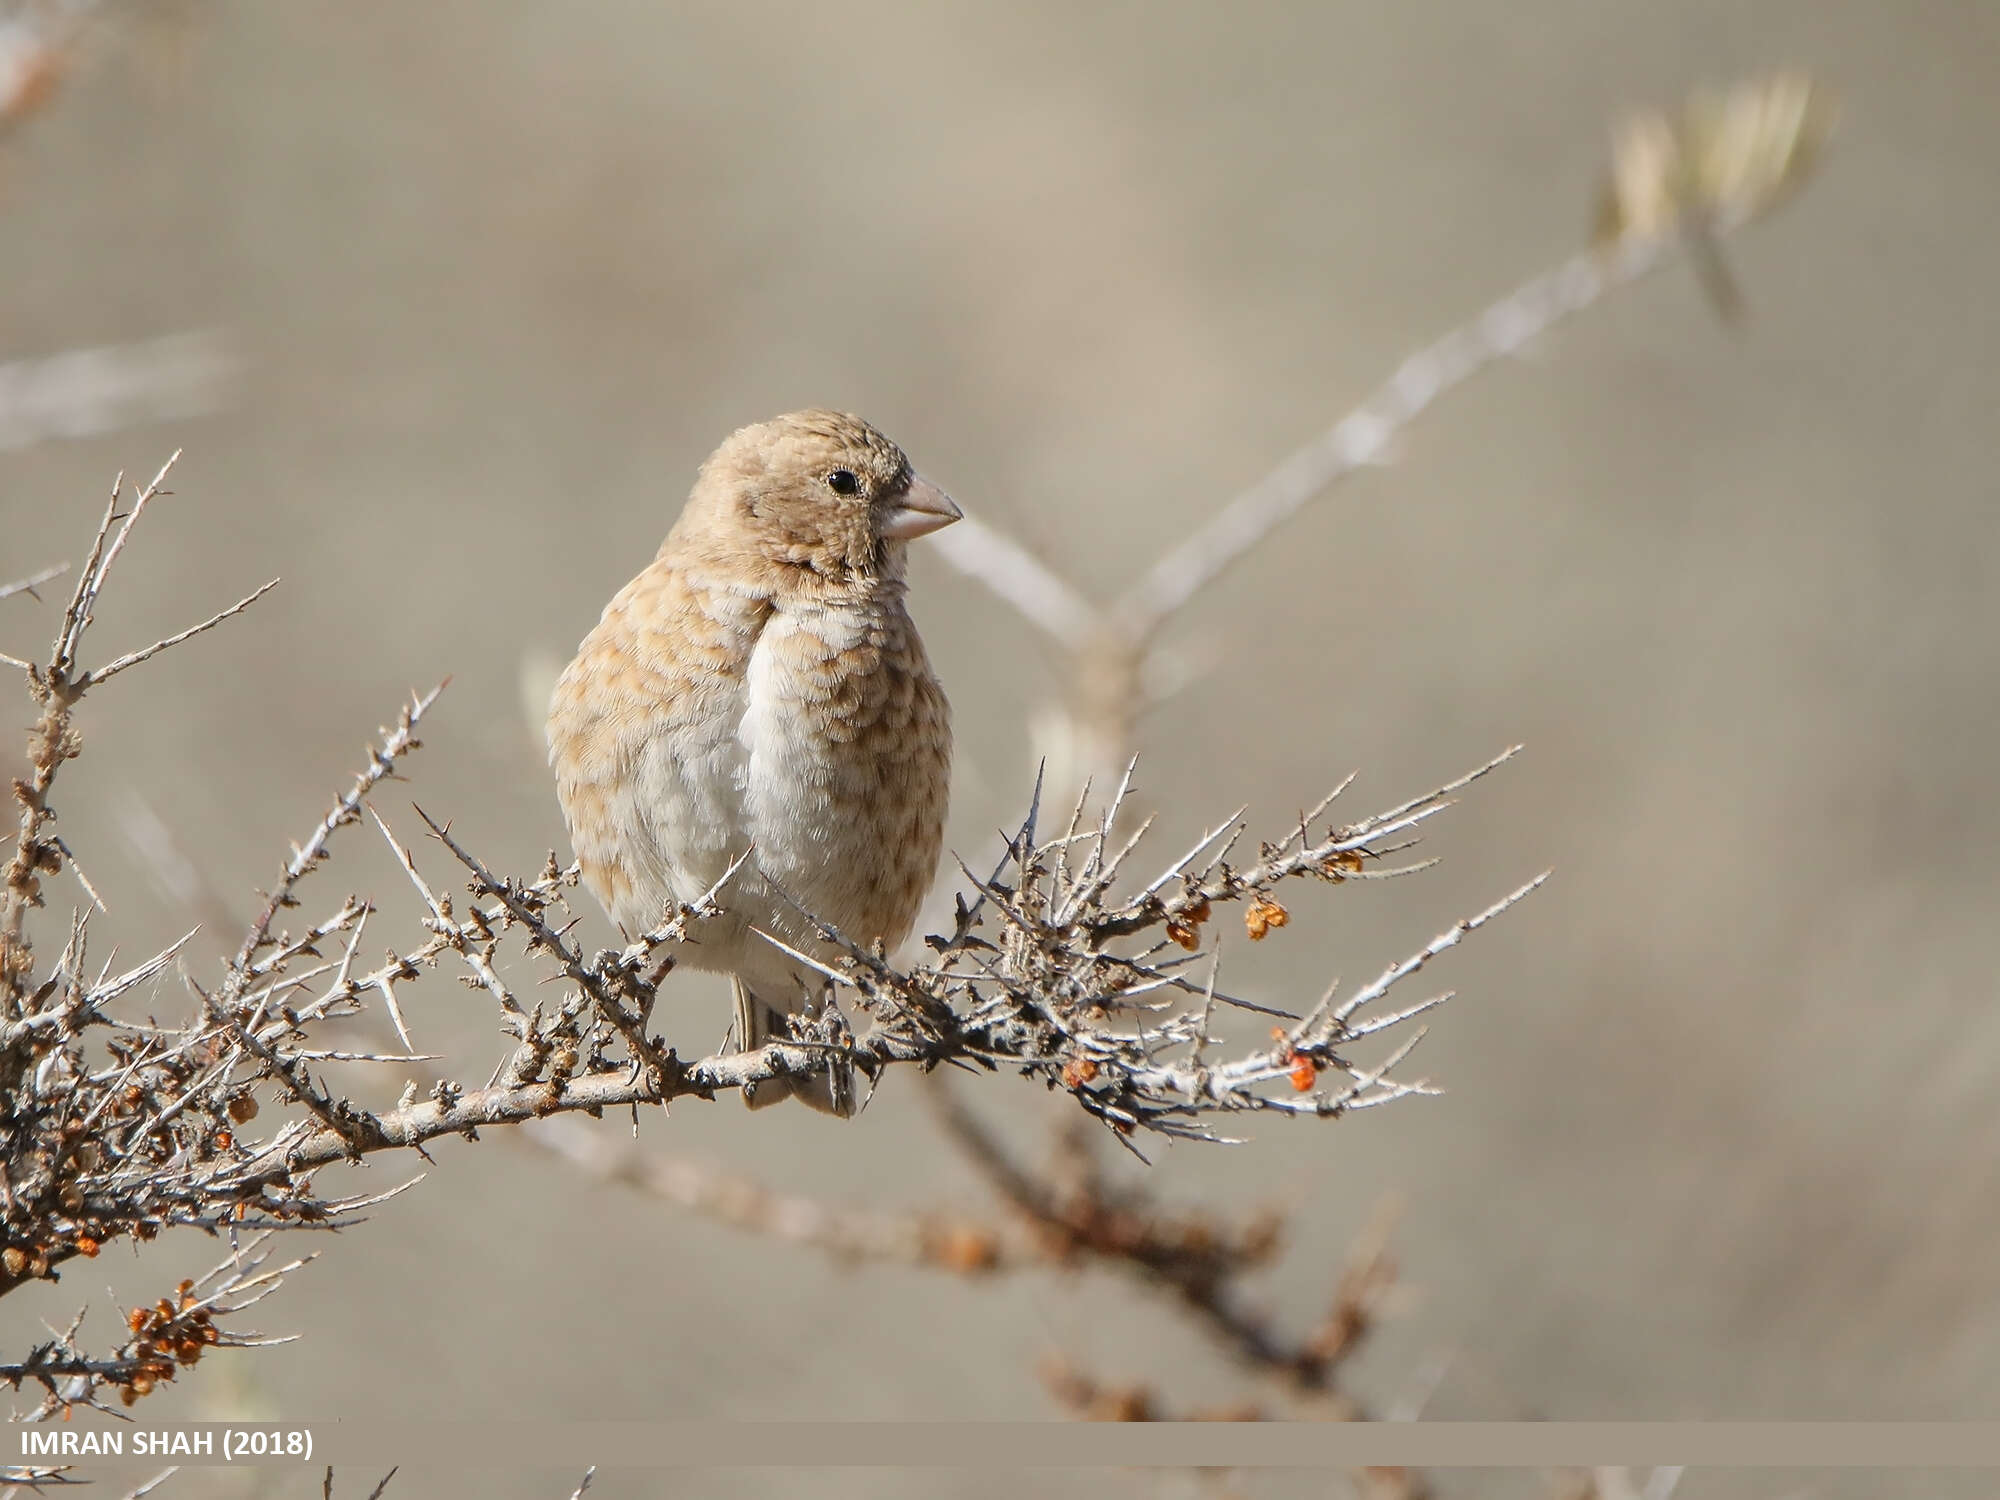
811,684
840,746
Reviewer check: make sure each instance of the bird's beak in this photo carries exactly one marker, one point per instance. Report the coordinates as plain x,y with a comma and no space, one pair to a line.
925,508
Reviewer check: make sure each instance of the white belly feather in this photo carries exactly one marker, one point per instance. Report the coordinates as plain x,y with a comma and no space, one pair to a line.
768,779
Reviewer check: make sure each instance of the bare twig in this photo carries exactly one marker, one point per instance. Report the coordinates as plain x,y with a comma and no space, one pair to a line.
29,584
146,653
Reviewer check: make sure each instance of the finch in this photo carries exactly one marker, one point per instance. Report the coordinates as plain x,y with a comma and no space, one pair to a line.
761,686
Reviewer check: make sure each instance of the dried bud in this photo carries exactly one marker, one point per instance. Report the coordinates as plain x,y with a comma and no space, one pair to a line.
1263,915
85,1245
14,1259
1305,1073
1078,1071
1184,932
243,1108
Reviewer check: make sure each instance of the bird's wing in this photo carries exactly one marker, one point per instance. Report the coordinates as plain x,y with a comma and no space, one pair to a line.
642,737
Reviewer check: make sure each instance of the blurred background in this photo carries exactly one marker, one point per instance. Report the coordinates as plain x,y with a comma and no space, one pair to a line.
471,289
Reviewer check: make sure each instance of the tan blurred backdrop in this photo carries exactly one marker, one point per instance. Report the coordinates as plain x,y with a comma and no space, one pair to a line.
1722,1136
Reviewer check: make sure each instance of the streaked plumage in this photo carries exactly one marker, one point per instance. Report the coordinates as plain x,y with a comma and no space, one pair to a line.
762,683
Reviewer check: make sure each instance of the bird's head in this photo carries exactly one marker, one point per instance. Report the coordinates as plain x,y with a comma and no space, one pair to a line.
810,496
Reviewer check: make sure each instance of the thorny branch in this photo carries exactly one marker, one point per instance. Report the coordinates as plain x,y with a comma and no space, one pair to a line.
1060,967
1048,996
169,1335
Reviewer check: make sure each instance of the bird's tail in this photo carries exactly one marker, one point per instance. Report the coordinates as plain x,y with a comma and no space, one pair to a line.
831,1092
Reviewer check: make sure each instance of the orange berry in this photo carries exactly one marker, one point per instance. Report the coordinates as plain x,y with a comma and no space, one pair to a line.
1078,1071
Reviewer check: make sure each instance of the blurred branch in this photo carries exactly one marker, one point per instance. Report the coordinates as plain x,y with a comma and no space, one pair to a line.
1673,185
1091,1400
1199,1263
1038,594
38,39
1070,1218
28,585
86,392
1365,436
936,1241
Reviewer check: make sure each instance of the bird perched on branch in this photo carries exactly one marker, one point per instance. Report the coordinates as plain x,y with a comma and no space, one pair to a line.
761,686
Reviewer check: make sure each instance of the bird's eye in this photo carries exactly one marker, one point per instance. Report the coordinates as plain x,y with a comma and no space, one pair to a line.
843,482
